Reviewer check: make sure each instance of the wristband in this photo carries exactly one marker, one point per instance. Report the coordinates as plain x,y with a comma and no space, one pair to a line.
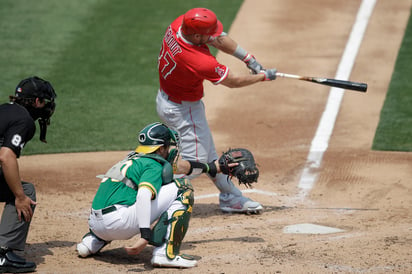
145,233
241,54
197,168
212,169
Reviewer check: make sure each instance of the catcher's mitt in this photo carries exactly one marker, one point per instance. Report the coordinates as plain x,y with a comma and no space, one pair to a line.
246,171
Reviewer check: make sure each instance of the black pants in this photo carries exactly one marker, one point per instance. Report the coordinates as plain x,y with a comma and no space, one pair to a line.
13,233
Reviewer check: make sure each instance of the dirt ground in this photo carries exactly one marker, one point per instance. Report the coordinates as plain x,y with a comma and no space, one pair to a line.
366,194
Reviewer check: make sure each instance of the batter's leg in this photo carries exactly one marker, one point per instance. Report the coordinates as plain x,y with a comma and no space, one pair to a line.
231,199
197,145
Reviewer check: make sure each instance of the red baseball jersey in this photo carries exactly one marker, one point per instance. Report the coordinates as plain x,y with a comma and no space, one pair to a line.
184,66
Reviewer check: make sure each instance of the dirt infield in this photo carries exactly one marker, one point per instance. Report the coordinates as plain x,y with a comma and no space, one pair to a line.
366,194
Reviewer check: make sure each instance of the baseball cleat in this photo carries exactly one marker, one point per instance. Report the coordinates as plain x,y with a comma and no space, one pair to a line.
248,207
89,245
82,250
180,261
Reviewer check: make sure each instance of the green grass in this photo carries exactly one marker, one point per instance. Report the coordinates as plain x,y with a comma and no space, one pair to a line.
101,58
394,132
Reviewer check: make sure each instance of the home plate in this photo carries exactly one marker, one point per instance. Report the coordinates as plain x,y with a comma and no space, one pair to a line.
310,229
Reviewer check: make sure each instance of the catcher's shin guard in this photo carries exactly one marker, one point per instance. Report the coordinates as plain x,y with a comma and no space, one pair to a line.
159,231
172,226
177,231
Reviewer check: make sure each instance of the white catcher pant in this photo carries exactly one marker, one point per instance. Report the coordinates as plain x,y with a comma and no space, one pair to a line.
123,224
196,141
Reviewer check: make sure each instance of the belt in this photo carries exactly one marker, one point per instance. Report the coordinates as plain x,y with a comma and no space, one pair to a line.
172,99
108,209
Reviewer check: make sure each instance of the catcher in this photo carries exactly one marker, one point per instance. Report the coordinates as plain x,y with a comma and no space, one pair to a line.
139,193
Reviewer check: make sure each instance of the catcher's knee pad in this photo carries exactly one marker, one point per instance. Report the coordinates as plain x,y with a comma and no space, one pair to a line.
185,192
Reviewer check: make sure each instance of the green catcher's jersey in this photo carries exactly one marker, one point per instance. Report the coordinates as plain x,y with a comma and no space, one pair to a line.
145,172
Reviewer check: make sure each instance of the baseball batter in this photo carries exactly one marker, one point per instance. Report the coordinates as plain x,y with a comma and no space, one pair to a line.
184,63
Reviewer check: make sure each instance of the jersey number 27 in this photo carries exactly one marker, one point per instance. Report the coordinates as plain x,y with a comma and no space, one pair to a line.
166,63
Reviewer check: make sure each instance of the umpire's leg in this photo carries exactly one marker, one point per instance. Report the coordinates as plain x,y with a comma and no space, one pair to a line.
13,233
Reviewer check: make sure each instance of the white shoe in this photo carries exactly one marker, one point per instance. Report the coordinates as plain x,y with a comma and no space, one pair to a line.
244,205
89,245
82,250
180,261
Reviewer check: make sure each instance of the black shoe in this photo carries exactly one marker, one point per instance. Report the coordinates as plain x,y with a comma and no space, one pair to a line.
10,262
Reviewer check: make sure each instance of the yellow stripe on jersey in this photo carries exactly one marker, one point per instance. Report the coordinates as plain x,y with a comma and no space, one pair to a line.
150,187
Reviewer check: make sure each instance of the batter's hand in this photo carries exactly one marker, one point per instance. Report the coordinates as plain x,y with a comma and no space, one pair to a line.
24,208
270,74
251,62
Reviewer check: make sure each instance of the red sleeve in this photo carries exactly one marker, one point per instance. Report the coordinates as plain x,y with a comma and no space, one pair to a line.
215,75
210,69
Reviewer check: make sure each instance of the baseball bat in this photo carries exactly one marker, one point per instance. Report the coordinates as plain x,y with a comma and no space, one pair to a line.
362,87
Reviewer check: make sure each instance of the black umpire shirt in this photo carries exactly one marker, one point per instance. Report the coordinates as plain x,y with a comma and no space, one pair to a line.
16,127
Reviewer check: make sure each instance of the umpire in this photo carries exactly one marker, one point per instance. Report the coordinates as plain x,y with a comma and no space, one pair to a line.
33,100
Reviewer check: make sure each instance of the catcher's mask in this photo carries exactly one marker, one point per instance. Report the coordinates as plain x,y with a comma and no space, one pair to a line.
26,93
201,21
154,136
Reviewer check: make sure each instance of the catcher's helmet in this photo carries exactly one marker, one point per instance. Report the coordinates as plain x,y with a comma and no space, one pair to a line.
154,136
201,21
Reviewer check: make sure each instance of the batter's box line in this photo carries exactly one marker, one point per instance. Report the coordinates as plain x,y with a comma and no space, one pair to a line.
258,191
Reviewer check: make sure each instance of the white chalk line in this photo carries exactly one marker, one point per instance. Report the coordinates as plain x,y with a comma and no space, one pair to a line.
320,141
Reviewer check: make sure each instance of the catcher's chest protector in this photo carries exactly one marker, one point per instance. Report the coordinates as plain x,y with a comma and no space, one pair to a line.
115,172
